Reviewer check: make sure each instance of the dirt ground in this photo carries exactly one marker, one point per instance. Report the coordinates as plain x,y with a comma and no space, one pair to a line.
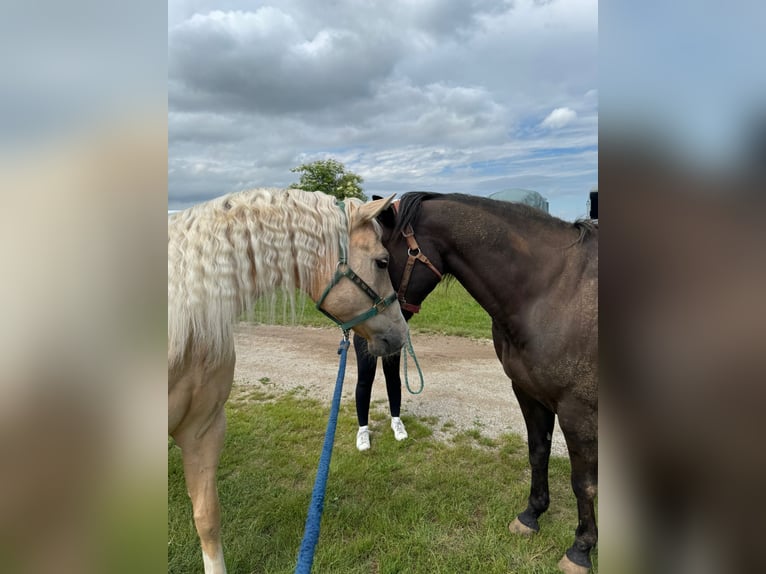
464,381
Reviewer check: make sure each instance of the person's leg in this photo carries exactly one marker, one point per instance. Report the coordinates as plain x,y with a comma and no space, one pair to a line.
366,365
394,390
393,383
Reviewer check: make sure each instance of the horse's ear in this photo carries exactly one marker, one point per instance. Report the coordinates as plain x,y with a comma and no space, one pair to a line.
371,210
374,197
387,217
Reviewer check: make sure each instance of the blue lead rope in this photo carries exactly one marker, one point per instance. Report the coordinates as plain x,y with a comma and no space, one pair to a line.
314,518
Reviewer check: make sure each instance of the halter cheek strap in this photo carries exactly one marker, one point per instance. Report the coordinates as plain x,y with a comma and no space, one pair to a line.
378,303
413,254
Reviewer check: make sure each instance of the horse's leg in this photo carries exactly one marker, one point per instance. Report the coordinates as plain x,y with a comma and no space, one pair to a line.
580,428
539,421
201,454
197,420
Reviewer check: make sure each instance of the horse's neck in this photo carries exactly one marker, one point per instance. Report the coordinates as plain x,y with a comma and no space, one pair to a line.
487,277
503,267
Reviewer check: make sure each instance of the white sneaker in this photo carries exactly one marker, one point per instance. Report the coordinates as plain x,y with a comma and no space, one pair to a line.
398,427
363,438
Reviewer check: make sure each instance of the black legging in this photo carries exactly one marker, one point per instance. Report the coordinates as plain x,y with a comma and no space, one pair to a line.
366,365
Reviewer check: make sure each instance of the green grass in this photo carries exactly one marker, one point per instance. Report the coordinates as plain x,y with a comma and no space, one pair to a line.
420,506
448,310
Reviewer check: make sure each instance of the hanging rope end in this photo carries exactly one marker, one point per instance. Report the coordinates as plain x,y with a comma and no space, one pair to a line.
409,350
344,342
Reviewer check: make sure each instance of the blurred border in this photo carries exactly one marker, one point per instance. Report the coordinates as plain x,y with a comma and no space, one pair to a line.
83,166
683,277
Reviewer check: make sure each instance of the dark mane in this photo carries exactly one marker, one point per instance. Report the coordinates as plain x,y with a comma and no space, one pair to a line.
587,227
409,208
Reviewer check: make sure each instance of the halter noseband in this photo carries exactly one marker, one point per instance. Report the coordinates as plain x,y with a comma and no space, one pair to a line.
343,270
413,254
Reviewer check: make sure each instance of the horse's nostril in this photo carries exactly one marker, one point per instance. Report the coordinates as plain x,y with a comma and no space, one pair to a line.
386,342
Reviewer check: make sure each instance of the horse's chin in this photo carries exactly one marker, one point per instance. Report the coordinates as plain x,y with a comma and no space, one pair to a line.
384,345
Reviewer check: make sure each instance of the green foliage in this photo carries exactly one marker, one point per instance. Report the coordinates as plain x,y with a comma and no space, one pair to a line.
329,176
419,506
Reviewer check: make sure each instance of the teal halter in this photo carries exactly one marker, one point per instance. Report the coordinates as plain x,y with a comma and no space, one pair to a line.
343,270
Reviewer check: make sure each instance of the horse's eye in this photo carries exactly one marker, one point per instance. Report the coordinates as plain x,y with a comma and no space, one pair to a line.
381,263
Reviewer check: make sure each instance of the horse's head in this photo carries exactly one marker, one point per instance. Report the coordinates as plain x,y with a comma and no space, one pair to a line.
415,265
371,299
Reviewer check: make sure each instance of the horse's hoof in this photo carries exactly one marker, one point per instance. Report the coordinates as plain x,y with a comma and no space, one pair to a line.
569,567
517,527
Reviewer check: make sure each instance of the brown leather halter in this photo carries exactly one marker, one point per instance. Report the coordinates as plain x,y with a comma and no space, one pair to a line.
413,254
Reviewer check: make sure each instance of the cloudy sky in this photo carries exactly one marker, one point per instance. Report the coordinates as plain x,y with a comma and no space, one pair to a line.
474,96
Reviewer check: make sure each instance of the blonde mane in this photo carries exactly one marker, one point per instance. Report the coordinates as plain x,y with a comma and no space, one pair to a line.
227,252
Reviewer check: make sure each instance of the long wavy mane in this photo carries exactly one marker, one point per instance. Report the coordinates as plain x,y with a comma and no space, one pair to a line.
227,252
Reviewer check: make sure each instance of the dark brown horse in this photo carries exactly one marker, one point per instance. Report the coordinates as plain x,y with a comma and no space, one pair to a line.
537,277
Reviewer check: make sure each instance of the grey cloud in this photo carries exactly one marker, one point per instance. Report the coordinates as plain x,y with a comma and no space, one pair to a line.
264,62
308,57
400,112
447,20
196,179
407,94
443,115
205,128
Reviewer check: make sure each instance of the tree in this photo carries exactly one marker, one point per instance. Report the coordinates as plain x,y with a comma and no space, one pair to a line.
329,176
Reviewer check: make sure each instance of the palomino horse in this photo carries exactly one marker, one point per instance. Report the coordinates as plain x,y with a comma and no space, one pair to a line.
224,254
537,277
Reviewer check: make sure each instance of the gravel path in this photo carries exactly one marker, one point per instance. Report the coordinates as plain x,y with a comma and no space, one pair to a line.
464,381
